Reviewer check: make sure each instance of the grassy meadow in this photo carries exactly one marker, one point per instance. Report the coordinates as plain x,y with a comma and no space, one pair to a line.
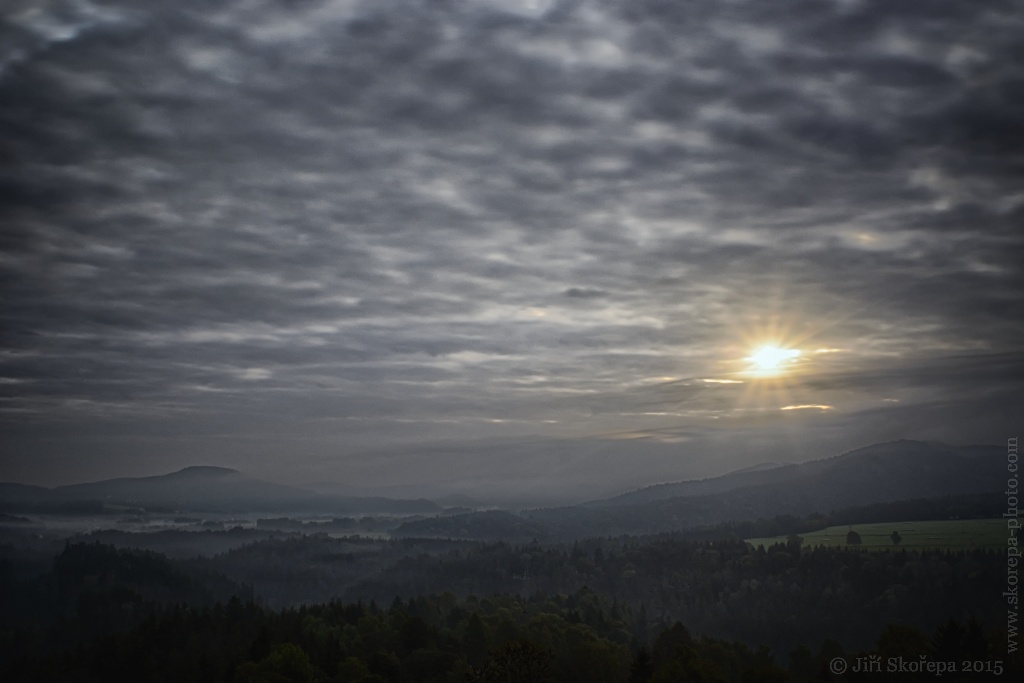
954,534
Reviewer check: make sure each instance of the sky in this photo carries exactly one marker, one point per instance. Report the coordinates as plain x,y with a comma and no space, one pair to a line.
504,245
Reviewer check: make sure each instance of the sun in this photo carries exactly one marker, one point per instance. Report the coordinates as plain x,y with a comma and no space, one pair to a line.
771,360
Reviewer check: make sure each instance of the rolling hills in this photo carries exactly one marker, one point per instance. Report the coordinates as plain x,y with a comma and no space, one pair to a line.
199,488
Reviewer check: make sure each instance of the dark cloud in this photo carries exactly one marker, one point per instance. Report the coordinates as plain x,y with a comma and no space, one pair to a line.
584,293
362,226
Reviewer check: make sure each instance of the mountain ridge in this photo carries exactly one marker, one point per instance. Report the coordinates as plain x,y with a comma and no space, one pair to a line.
765,472
880,473
201,488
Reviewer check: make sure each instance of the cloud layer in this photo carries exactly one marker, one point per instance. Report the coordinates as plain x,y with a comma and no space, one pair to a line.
320,231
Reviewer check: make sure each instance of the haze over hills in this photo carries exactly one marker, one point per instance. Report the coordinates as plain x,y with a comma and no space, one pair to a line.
881,473
747,476
190,487
896,454
401,492
203,488
516,473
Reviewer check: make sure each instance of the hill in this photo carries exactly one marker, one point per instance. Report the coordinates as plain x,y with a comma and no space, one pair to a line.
192,488
882,473
198,488
750,476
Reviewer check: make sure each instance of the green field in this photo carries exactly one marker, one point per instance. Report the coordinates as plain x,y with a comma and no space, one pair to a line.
956,534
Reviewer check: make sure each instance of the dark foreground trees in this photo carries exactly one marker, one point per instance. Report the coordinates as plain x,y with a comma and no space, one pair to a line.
581,638
108,615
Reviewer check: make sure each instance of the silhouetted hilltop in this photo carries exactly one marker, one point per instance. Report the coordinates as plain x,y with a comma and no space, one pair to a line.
201,471
197,488
881,473
746,477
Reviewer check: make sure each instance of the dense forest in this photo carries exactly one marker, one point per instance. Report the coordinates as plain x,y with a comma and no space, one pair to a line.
627,609
495,596
113,620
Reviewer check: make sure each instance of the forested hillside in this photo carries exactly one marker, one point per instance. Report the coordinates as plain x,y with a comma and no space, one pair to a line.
577,638
783,598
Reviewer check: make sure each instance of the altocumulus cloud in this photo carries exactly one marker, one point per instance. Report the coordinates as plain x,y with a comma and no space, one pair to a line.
335,231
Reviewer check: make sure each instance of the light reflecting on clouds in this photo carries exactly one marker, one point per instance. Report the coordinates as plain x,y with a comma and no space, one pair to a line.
345,230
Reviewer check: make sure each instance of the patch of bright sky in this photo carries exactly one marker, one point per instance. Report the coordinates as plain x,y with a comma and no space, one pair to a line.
532,9
808,406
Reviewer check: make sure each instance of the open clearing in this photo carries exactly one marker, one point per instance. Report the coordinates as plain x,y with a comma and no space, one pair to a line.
954,534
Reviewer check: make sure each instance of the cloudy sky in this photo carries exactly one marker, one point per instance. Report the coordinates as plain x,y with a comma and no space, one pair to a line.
506,243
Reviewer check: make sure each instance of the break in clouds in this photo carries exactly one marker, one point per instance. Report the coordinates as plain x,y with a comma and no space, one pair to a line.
469,241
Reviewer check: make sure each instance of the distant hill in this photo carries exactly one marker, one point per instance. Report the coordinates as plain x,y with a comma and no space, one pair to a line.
193,488
750,476
13,495
882,473
198,488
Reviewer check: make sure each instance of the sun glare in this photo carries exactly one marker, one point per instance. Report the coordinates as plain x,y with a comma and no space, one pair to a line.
772,359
